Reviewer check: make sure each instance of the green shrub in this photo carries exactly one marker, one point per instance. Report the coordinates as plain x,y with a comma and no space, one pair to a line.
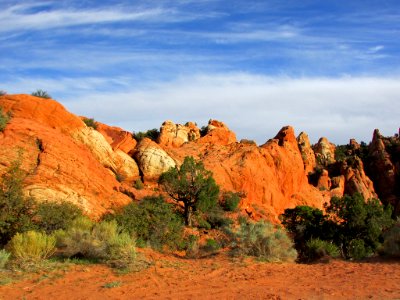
2,93
90,122
316,249
4,119
213,218
230,201
211,245
31,246
52,216
354,225
102,241
265,241
4,257
391,245
41,94
192,185
153,221
152,134
138,184
15,209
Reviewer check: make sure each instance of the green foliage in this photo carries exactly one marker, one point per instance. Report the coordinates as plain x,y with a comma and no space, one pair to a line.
52,216
264,240
4,119
103,241
341,152
391,245
192,185
90,122
316,249
15,209
360,224
203,131
31,246
153,221
138,184
214,218
230,201
351,223
4,257
41,94
211,245
152,134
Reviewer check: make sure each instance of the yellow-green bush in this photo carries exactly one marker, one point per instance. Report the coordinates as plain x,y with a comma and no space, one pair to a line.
31,246
100,241
266,241
4,257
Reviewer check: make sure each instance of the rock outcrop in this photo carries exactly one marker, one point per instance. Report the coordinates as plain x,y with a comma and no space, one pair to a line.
68,161
152,160
307,152
384,168
324,151
176,135
59,168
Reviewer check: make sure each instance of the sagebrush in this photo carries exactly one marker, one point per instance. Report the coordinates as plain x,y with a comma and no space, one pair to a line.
264,240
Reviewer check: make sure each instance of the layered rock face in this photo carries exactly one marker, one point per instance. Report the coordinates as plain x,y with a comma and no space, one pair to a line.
59,167
68,161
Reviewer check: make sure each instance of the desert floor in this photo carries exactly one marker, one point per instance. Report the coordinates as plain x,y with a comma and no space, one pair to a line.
216,277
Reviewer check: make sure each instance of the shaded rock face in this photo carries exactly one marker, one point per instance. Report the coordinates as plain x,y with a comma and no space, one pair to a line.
176,135
152,160
307,152
324,152
383,168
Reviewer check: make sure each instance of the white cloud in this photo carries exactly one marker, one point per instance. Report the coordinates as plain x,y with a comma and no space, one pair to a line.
18,18
255,107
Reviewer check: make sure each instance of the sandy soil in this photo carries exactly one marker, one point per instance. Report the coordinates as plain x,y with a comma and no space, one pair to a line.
217,277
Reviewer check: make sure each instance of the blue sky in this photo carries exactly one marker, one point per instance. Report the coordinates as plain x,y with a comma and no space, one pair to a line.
330,68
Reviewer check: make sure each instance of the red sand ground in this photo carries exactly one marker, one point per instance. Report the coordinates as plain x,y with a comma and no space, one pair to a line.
218,277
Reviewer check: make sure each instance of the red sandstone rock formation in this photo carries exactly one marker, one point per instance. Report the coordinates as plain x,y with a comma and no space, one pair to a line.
68,161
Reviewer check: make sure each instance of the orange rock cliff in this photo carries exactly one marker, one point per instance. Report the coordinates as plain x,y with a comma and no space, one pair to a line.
95,169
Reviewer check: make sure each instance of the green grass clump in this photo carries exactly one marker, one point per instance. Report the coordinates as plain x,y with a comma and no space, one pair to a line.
4,119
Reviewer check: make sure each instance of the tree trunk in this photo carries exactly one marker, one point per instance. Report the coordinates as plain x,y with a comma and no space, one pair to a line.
188,215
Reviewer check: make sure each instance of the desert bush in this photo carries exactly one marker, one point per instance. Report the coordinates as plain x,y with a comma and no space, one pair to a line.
316,249
4,257
152,134
214,218
90,122
41,94
4,119
354,225
102,241
391,245
52,216
16,210
2,93
230,201
211,245
31,246
138,184
264,240
153,221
